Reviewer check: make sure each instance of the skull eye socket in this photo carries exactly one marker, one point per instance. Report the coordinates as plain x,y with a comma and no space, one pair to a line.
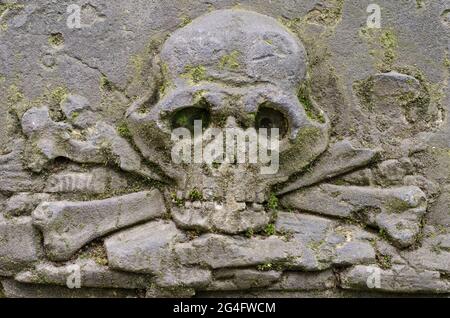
268,117
186,118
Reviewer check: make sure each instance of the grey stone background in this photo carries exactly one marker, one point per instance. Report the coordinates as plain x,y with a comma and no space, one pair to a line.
108,62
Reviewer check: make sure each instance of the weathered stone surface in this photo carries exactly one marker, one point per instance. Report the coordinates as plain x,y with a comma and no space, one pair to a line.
144,249
242,279
74,104
388,254
148,248
397,211
187,277
434,254
398,103
99,180
327,242
319,200
77,108
400,279
340,158
307,227
435,215
217,251
90,274
67,226
15,289
177,292
49,137
273,294
340,247
19,245
296,281
430,188
362,177
354,252
394,84
392,171
23,203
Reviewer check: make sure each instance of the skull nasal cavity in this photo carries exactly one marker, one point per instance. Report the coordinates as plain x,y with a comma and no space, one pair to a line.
268,117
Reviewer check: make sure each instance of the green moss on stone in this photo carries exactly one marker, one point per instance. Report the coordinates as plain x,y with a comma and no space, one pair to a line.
287,235
269,230
249,233
185,20
382,45
123,130
95,251
195,73
230,61
298,157
265,267
14,94
195,195
272,203
388,41
396,205
75,115
315,245
58,95
277,265
310,110
327,15
364,90
384,261
138,64
447,61
382,233
291,24
165,84
10,6
56,39
178,201
106,84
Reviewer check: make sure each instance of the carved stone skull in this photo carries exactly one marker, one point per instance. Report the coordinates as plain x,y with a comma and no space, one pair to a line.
230,69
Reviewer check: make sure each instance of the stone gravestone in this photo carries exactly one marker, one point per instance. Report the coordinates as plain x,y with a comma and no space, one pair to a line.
162,149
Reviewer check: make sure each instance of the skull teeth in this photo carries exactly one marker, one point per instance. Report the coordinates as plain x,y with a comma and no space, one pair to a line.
210,195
